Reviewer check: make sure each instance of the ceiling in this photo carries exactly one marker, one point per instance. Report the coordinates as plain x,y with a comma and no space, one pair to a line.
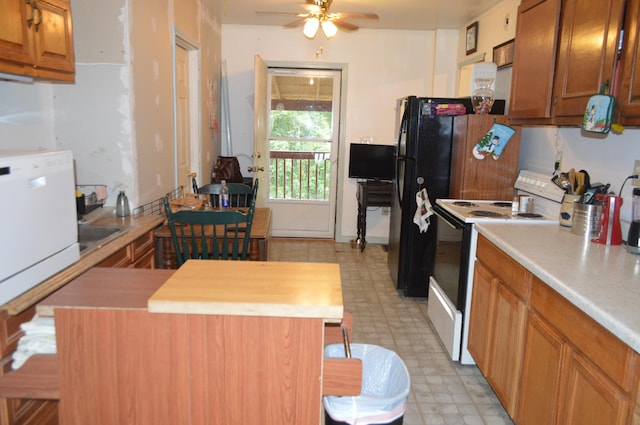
394,14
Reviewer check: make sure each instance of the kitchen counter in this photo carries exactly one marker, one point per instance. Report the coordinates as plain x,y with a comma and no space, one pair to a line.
603,281
247,337
136,227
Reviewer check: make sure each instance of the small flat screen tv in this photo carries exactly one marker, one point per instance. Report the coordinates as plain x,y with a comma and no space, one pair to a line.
371,162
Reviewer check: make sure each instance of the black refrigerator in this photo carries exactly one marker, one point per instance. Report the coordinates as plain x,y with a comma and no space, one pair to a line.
423,160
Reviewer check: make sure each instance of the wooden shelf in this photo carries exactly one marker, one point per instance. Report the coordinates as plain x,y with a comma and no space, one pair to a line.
36,379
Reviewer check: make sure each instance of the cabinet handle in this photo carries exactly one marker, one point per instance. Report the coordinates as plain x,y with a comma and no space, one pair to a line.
33,12
36,15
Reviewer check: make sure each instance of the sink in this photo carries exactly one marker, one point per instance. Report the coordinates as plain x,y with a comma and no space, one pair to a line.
90,236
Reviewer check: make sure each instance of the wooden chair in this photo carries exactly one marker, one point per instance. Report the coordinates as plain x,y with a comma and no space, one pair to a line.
220,235
240,194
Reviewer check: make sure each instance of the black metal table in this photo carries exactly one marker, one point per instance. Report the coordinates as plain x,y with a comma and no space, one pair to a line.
370,194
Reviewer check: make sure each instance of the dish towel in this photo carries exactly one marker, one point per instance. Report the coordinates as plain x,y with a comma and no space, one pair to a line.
39,338
423,214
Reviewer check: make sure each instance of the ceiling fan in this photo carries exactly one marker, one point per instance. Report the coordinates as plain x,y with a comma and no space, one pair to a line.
318,16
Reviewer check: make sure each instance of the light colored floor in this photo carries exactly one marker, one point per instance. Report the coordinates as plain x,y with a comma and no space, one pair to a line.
442,392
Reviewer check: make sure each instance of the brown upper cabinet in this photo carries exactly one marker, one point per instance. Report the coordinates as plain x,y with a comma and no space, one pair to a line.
36,39
629,89
565,51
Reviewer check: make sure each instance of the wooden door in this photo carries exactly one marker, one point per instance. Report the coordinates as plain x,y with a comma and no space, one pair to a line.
628,97
534,60
586,55
53,36
540,373
14,34
481,320
505,358
481,179
590,396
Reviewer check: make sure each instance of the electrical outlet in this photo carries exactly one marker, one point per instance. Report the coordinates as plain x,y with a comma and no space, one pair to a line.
636,171
385,210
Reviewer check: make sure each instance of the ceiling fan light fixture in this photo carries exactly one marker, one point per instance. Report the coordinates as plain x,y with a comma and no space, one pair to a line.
311,27
329,29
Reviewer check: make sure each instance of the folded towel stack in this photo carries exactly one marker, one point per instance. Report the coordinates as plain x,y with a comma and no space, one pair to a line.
39,338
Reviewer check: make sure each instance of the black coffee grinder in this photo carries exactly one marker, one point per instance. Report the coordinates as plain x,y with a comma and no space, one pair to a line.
633,239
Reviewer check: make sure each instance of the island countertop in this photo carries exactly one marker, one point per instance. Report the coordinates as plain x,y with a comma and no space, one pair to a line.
253,288
603,281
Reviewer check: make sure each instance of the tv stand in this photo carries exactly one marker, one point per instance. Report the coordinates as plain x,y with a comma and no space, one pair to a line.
370,194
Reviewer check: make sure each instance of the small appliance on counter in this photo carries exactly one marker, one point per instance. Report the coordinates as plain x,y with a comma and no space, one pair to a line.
609,232
633,237
38,222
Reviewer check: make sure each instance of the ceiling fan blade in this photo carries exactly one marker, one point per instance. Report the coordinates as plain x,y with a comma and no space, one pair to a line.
356,15
297,23
345,26
300,15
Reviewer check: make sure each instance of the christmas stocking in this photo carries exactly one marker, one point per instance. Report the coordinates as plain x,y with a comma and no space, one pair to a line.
493,142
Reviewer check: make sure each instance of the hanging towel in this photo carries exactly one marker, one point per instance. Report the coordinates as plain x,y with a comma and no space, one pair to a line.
39,338
423,212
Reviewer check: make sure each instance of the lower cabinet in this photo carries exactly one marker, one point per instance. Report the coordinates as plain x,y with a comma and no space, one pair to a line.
574,371
498,313
138,254
546,360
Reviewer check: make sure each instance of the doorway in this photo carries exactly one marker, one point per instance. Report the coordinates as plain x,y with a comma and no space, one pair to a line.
186,117
301,147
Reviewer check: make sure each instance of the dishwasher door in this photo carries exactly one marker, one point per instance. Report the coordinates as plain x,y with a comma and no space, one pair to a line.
38,220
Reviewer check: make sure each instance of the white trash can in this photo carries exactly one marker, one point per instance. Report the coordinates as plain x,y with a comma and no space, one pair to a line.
385,387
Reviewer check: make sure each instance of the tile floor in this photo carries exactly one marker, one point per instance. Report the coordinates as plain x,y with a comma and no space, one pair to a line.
442,392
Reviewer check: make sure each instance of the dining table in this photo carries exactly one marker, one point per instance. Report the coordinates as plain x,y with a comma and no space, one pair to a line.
258,244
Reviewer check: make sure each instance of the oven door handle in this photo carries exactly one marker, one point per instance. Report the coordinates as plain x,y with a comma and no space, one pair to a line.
452,221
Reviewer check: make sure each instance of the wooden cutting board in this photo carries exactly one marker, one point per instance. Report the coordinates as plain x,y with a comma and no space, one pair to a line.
252,288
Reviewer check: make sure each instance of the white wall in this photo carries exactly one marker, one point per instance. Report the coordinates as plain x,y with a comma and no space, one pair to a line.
117,118
607,159
382,66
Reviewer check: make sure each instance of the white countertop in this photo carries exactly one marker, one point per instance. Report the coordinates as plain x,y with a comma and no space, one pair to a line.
603,281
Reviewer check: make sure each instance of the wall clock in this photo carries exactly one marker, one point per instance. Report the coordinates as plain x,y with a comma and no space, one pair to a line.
472,38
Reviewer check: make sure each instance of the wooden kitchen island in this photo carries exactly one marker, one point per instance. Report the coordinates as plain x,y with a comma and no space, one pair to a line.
215,342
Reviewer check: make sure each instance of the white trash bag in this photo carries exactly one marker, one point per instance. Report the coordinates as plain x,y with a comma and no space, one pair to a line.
385,387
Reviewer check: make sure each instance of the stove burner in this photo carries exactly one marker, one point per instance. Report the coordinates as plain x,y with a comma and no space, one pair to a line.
464,204
529,215
502,204
483,213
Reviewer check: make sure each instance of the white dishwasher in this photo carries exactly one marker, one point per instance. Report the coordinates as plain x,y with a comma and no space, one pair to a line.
38,219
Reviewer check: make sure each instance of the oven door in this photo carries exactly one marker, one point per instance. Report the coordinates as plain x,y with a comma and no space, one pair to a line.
448,285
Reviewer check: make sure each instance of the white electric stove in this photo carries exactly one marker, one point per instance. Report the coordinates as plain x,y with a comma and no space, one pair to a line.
451,285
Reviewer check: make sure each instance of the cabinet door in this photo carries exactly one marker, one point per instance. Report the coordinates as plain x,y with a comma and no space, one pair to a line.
15,45
481,321
590,396
473,179
505,358
540,373
628,98
53,40
587,55
534,60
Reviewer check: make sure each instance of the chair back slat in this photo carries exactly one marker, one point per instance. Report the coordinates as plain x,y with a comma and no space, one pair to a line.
210,234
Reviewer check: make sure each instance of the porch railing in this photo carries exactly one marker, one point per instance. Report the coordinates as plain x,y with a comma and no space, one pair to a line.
300,175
